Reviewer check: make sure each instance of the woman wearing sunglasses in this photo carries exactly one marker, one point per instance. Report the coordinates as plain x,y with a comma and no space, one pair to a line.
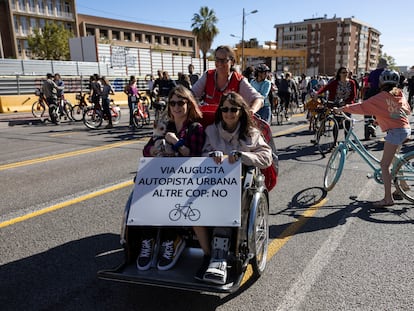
187,137
233,134
224,79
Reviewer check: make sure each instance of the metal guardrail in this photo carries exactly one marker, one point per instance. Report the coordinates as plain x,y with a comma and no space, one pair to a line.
19,85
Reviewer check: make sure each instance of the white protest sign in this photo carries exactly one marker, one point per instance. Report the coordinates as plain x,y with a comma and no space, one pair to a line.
186,192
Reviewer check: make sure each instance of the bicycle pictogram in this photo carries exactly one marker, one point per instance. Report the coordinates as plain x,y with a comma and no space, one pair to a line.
192,214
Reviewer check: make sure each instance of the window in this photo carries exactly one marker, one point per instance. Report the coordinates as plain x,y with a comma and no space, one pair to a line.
16,25
23,23
22,6
33,23
157,39
41,7
127,36
31,6
148,39
175,41
138,37
49,6
183,42
58,8
103,34
167,40
115,35
67,8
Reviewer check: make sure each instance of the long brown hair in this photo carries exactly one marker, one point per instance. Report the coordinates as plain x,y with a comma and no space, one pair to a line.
194,113
245,120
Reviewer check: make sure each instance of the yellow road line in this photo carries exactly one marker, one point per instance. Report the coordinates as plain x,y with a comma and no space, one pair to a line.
65,204
66,155
286,235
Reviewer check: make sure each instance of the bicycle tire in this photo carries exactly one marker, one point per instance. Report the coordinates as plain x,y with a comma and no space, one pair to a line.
115,115
68,109
77,113
194,215
404,176
174,214
38,109
327,135
92,118
334,167
279,116
136,119
54,115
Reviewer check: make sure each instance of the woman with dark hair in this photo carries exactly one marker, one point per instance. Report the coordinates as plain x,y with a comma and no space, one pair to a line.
340,88
186,135
233,134
132,91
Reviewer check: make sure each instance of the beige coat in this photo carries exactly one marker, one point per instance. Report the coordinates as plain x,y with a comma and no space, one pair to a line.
255,151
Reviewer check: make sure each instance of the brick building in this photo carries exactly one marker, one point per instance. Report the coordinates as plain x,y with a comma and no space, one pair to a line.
330,44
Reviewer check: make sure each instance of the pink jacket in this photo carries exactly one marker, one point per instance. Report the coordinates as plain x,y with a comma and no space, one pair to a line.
390,111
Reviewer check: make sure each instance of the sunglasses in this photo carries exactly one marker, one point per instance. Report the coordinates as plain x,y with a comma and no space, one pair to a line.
231,109
180,103
221,60
344,72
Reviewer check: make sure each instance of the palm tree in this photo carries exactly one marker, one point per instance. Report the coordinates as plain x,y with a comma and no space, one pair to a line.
205,30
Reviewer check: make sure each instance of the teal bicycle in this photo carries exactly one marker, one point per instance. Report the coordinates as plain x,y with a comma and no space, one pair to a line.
402,169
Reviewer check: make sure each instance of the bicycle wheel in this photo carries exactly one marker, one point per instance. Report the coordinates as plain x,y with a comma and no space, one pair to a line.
194,215
260,234
137,119
77,112
279,115
404,176
327,135
289,112
92,118
334,167
115,114
175,214
38,109
147,118
54,115
68,110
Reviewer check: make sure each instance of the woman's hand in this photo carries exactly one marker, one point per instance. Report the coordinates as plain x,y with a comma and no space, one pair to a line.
217,156
171,138
234,156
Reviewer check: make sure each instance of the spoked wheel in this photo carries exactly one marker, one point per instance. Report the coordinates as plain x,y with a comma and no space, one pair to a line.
92,118
137,119
279,115
115,114
67,110
334,167
38,109
259,232
77,113
404,177
327,135
54,115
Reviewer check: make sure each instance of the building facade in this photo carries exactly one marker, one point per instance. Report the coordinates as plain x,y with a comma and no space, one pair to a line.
135,35
19,18
330,43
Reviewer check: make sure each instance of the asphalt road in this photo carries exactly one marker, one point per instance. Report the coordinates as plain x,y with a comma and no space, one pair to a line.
63,193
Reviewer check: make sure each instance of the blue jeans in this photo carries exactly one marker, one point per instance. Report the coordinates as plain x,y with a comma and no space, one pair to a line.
265,114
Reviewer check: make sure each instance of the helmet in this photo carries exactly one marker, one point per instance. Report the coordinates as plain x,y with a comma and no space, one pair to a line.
389,77
262,68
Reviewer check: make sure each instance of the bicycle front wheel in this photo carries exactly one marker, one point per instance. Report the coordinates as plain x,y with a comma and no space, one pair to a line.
327,135
92,118
334,167
404,176
77,113
38,109
137,119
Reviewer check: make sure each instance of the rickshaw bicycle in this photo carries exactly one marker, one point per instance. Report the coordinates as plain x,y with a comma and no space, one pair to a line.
249,241
402,170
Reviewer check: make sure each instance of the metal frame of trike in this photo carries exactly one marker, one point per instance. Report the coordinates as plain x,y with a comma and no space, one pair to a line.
250,244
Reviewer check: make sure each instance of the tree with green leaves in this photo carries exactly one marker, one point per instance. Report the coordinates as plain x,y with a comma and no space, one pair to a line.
51,42
204,28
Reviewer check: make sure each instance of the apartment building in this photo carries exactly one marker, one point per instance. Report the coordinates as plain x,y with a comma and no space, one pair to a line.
19,18
330,43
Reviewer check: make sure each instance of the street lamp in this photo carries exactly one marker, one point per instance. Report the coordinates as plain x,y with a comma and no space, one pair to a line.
243,22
